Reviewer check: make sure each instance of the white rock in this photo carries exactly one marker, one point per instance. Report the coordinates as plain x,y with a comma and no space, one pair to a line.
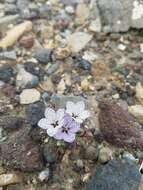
78,40
29,96
137,12
137,111
44,175
121,47
139,92
7,179
141,47
95,25
69,9
90,56
26,79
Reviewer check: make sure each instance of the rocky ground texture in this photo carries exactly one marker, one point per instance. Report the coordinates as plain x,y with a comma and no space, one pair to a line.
53,51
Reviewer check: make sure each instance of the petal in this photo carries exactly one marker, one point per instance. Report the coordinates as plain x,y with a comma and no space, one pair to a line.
79,107
74,127
69,137
60,114
50,114
70,107
51,131
78,120
59,135
43,123
84,115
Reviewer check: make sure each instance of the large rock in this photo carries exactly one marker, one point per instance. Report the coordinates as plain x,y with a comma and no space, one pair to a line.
20,152
116,175
118,127
119,16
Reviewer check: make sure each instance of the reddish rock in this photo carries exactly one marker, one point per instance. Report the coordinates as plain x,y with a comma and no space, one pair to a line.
20,152
27,41
118,127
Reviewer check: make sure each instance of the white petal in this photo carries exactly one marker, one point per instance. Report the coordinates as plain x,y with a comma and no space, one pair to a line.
60,114
43,123
51,131
84,115
70,107
50,114
79,107
78,120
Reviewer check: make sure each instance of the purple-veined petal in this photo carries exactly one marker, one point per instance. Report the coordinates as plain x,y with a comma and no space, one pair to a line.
59,135
74,127
60,114
43,123
70,137
50,114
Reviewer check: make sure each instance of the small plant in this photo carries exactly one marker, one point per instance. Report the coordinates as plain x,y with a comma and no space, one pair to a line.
63,124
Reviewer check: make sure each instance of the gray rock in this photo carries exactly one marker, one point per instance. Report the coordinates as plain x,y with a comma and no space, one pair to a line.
10,8
8,19
44,175
11,1
34,112
6,72
8,55
117,174
25,79
119,16
61,100
22,5
53,68
44,55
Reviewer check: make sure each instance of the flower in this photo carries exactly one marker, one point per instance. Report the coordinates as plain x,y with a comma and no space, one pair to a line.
68,129
52,121
77,111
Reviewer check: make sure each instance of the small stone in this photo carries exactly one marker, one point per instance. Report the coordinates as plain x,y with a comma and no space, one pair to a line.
11,122
83,64
116,174
137,112
6,72
47,85
44,175
139,92
46,96
10,178
141,47
34,112
27,41
82,12
29,96
9,90
25,79
10,8
78,40
85,84
89,56
44,55
91,153
54,67
80,164
121,47
8,55
69,9
105,154
14,34
20,152
95,25
129,157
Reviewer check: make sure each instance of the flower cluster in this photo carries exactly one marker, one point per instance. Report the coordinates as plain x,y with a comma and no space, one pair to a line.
64,123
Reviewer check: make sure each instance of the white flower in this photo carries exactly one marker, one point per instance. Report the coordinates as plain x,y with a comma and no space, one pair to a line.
77,111
52,121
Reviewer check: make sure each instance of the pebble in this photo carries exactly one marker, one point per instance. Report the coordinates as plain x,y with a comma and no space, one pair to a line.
29,96
34,112
139,92
44,175
20,152
10,178
46,96
137,112
14,34
10,8
141,47
78,40
129,157
6,72
95,25
105,154
43,55
69,9
11,122
85,65
27,41
89,56
25,79
8,55
121,47
54,67
91,153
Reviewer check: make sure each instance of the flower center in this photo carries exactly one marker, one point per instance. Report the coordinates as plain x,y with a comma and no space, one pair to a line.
55,124
74,116
65,129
